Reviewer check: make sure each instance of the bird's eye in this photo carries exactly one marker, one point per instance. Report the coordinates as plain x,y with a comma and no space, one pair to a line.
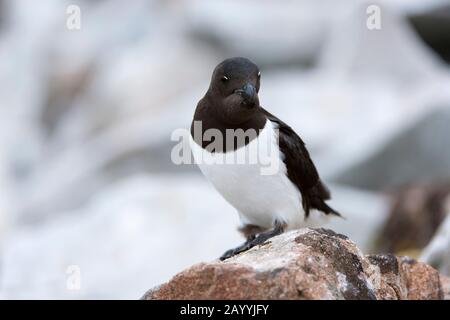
259,74
224,79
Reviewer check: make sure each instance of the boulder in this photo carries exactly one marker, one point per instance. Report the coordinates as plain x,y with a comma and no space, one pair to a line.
216,23
131,222
306,264
416,213
418,154
436,252
431,25
355,51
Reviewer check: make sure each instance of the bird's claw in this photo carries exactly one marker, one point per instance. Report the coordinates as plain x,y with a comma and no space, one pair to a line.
228,254
232,252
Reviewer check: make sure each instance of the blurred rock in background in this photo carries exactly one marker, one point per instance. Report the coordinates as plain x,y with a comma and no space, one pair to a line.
416,213
274,35
141,230
420,153
86,118
437,251
432,26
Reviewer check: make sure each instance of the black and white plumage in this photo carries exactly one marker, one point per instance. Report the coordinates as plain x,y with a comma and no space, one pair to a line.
291,197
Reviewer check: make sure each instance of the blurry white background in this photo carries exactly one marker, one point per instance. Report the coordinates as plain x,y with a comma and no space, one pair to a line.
86,117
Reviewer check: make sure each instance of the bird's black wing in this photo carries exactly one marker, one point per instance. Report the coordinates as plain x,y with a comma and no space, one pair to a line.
300,168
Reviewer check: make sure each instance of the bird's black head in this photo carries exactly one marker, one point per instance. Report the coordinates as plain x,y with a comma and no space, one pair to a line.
234,89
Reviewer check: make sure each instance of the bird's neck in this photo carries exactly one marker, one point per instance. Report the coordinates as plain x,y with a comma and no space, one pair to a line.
206,118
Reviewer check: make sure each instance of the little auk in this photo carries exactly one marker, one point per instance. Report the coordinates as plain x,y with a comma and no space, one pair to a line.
268,203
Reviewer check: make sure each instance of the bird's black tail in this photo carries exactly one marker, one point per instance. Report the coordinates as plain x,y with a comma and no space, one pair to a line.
327,209
315,198
321,205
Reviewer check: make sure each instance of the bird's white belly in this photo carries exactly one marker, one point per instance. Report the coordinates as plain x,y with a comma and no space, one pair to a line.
260,196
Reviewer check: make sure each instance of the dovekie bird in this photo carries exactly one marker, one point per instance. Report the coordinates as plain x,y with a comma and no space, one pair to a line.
293,196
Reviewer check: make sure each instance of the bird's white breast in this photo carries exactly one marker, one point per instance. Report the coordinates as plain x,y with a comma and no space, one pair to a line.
260,195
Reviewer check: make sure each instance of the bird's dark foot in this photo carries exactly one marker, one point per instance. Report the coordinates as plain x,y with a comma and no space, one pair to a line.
243,247
254,241
230,253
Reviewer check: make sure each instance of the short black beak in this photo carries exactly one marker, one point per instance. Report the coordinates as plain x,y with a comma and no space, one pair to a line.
248,92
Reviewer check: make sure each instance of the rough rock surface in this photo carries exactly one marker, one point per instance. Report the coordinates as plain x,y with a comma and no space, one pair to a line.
306,264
